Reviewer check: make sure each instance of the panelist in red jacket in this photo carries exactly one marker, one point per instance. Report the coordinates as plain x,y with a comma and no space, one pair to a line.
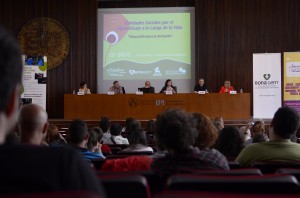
226,88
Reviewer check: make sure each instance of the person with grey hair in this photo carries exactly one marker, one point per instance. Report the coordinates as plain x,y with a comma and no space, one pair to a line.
117,88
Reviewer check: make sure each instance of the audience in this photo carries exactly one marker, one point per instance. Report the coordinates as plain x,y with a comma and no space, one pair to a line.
230,142
28,168
260,137
93,144
258,127
33,124
245,130
219,123
150,128
79,137
175,133
54,138
284,124
116,138
105,125
103,148
205,140
137,140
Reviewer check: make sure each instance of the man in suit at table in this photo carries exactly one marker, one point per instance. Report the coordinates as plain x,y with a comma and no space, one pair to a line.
147,88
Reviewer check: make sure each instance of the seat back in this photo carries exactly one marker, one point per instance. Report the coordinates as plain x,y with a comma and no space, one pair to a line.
133,186
245,184
271,167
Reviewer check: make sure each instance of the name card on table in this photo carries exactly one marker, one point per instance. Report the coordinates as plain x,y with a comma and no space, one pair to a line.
169,92
201,92
139,93
232,92
111,93
80,93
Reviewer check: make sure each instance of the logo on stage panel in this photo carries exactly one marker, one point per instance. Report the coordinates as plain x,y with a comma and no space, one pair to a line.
267,76
133,102
266,83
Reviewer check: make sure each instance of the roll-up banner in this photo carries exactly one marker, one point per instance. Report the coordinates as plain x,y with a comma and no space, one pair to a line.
291,80
266,84
34,80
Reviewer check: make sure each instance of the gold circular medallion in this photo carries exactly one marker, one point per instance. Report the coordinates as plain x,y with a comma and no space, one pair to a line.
45,37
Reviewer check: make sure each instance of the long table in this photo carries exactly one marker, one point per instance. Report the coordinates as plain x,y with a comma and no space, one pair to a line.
147,106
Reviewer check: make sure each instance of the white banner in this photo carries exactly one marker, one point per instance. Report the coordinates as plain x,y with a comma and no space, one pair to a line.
266,84
34,80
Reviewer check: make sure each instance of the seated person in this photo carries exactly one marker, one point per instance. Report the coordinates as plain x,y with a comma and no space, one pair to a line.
137,138
284,124
168,87
117,88
226,88
116,138
201,86
175,133
83,88
93,144
147,88
54,138
79,137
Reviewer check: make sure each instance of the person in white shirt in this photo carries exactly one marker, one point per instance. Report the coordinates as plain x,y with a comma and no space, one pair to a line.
116,138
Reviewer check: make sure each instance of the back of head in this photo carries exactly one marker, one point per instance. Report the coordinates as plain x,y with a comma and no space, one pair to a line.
150,127
32,119
258,127
137,135
207,133
93,139
10,67
260,137
52,133
77,131
128,122
285,122
230,141
115,129
174,131
104,124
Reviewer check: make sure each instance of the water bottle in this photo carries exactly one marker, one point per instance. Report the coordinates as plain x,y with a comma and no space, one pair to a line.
241,91
74,92
206,91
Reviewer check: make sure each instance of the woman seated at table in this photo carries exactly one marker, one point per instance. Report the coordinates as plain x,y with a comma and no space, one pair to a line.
84,88
226,88
168,87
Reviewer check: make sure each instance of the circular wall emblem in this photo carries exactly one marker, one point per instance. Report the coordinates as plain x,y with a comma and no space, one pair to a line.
133,102
45,37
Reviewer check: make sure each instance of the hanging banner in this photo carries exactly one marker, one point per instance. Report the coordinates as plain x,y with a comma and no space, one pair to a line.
266,84
34,80
291,80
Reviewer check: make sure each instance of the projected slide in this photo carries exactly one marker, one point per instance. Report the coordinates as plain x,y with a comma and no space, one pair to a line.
146,46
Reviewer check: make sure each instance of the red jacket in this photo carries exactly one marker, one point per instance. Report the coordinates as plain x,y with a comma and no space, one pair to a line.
223,89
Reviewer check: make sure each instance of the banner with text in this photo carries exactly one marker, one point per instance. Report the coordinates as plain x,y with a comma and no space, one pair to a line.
291,80
266,84
34,80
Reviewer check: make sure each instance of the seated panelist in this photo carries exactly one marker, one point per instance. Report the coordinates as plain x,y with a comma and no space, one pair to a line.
168,87
147,88
226,88
117,88
201,86
84,88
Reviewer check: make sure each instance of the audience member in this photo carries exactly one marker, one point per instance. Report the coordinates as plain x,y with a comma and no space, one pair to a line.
284,124
205,140
175,132
94,145
104,148
258,127
148,88
168,87
200,86
246,132
29,168
226,88
150,128
79,136
230,142
137,140
54,138
33,124
116,138
260,137
105,125
84,88
117,88
219,123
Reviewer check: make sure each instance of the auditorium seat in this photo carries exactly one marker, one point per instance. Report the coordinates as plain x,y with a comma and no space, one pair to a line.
133,186
234,165
98,163
242,184
154,180
129,153
290,171
62,194
235,172
271,167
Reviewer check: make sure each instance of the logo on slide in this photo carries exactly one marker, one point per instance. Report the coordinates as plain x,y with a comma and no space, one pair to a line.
135,72
180,71
267,76
157,71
